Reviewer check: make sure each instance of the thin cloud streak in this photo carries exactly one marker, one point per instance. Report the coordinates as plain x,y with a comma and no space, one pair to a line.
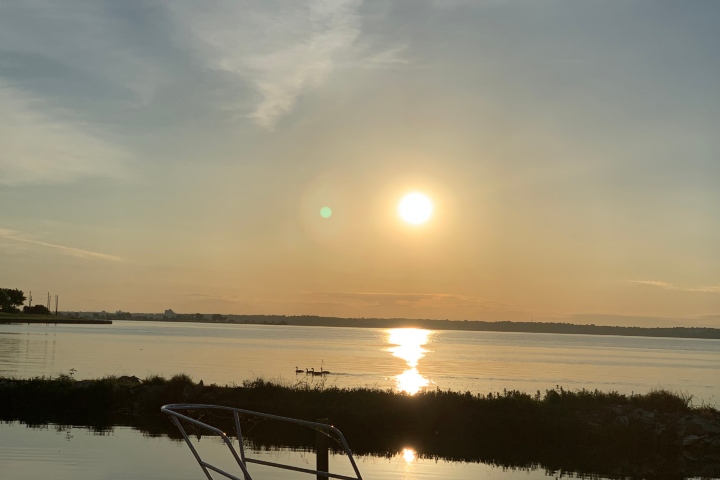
72,251
413,299
207,296
670,286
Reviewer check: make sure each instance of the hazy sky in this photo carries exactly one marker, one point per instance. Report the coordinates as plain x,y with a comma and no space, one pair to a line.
177,154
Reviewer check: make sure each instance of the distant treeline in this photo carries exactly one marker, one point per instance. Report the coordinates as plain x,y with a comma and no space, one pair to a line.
529,327
465,325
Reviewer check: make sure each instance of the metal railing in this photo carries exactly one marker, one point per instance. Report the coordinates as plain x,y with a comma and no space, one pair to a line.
239,455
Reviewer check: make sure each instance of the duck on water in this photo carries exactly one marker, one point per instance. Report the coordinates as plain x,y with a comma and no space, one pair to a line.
311,371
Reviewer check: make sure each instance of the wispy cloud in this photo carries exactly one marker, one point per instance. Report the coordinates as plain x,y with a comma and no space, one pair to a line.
278,49
16,236
393,56
670,286
257,57
656,283
37,149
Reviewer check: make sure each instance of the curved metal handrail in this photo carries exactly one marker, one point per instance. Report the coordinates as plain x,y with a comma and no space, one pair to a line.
173,411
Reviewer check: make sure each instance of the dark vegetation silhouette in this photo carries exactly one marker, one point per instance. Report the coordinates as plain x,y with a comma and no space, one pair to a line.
655,435
37,310
11,299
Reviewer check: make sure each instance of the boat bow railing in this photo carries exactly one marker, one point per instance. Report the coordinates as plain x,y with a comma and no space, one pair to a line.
174,411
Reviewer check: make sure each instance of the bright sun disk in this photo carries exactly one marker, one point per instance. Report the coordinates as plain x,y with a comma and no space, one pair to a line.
415,208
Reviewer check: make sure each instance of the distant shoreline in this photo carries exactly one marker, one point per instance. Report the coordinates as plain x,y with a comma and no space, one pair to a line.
47,319
429,324
453,325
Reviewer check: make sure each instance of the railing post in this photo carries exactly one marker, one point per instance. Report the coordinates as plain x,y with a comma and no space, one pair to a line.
321,450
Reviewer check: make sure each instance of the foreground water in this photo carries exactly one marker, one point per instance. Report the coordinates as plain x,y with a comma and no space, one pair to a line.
406,359
69,453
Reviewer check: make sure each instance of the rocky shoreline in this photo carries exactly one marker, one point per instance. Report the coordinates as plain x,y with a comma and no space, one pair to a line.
691,441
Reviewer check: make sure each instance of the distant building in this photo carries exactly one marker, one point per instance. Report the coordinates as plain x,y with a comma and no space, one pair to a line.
169,313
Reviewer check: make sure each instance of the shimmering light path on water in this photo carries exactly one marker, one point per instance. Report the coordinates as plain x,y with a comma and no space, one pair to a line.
474,361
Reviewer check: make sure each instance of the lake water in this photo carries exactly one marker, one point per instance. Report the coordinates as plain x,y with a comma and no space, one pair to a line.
408,359
70,453
404,359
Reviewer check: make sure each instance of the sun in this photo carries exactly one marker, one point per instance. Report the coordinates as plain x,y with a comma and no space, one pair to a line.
415,208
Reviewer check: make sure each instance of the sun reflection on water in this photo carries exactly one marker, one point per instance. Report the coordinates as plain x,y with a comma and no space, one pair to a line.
409,455
408,345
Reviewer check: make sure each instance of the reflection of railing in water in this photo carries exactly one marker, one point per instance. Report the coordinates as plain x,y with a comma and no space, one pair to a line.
324,430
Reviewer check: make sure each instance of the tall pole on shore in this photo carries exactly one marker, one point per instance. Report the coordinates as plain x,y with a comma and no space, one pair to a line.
56,304
48,305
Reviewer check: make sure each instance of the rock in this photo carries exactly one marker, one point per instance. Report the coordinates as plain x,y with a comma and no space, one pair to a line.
700,426
690,440
680,428
644,416
623,421
616,409
592,425
689,456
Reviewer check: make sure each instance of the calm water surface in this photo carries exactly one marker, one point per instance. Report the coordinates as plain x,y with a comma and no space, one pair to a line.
406,359
70,453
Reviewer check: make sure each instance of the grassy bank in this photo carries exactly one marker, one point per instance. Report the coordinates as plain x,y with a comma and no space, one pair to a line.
586,431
